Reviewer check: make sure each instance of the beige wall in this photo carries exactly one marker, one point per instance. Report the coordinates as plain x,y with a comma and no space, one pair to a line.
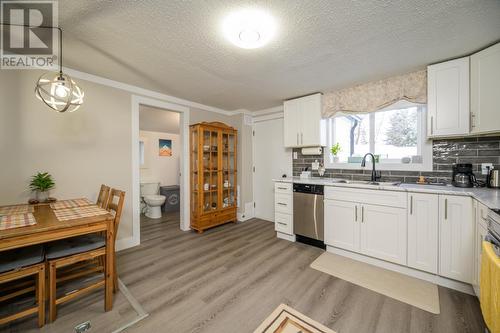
82,149
160,169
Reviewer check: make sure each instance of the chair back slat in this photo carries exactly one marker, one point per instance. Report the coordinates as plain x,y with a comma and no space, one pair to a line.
103,197
115,205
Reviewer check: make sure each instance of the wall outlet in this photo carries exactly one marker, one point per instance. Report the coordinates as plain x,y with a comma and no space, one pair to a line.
295,155
484,170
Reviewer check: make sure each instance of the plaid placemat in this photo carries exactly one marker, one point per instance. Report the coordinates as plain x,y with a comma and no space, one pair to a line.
71,203
13,210
79,212
16,221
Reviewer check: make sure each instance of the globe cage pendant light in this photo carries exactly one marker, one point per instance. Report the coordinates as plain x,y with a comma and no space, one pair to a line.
58,90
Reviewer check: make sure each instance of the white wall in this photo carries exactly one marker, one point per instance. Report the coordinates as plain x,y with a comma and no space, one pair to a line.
160,169
83,149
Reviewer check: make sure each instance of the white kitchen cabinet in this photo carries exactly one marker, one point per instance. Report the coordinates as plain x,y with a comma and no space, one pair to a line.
283,208
423,231
484,90
383,233
341,224
456,229
448,98
303,126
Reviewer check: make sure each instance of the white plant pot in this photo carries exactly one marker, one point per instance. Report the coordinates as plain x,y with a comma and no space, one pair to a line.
42,196
335,159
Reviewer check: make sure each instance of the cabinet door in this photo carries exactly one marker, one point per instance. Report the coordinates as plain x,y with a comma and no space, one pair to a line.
456,229
383,233
342,224
291,112
481,233
423,216
484,92
311,133
448,98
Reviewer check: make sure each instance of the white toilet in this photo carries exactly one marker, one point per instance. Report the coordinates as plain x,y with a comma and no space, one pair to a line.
154,201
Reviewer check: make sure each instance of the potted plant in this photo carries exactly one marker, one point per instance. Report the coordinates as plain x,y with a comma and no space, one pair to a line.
335,149
41,183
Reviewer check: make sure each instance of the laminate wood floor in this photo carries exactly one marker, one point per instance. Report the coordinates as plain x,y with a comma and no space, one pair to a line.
231,278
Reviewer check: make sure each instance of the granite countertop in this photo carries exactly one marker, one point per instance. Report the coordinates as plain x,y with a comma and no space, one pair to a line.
488,197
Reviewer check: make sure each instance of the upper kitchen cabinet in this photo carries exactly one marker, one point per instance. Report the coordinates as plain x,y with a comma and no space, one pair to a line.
303,126
485,91
448,98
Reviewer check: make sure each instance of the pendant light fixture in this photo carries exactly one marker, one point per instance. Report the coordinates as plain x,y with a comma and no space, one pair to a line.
57,90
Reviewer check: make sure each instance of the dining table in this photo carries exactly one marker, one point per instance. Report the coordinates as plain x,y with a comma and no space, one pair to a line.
49,228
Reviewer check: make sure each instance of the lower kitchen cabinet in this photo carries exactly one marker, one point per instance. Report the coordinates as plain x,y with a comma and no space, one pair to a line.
423,224
377,231
456,229
341,226
383,233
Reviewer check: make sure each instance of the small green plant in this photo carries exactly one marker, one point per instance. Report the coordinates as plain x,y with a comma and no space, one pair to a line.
42,182
336,149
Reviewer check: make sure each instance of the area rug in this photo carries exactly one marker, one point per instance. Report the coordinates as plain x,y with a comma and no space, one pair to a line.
418,293
287,320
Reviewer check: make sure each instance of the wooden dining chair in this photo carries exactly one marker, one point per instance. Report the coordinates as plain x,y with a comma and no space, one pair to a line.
115,206
72,252
102,198
15,266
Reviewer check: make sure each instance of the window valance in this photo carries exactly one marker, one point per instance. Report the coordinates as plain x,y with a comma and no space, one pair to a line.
373,96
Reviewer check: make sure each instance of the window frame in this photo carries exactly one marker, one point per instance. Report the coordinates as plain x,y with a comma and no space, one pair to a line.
424,146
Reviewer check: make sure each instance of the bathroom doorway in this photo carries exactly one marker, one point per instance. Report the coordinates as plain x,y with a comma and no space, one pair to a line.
158,177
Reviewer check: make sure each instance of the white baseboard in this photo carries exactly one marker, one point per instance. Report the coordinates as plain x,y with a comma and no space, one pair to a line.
247,214
126,243
281,235
439,280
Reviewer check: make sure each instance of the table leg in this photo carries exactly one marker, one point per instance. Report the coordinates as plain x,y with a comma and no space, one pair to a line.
110,248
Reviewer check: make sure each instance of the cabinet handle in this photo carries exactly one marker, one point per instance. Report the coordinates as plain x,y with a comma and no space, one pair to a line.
282,223
362,214
281,204
445,209
355,213
282,188
411,204
301,138
432,125
472,120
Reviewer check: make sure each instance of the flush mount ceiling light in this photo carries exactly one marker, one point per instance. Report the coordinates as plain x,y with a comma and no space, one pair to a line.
249,28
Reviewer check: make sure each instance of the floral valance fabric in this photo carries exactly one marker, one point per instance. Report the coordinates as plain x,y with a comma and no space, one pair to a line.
373,96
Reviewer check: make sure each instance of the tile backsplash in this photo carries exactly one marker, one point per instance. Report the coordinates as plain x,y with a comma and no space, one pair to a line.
475,150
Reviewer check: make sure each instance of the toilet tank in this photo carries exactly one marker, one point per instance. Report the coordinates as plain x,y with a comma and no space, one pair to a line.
149,188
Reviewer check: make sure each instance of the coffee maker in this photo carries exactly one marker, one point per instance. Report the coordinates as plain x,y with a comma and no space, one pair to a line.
463,175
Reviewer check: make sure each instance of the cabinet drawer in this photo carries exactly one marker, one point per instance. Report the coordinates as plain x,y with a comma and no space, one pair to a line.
283,203
283,223
374,197
285,188
482,215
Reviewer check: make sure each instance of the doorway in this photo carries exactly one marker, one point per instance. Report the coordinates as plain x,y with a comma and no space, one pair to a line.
160,163
268,146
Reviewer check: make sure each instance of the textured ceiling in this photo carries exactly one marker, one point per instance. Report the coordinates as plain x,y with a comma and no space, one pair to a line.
176,47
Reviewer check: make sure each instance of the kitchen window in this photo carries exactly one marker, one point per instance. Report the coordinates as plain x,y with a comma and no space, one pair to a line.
395,135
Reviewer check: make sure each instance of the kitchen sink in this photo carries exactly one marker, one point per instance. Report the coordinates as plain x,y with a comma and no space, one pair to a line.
365,182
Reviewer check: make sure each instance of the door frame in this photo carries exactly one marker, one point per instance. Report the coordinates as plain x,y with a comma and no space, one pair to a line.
184,161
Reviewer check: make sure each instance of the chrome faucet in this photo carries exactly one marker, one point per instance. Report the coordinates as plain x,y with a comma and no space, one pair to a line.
375,176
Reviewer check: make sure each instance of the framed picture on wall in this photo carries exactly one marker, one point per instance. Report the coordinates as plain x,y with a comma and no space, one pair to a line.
165,147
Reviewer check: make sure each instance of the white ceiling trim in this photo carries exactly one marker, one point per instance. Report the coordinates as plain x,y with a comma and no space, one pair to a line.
146,92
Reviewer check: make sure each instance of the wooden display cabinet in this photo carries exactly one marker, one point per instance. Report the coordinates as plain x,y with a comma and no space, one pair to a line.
213,174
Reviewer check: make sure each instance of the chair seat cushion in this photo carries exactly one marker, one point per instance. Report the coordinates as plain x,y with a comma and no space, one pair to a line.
70,246
22,257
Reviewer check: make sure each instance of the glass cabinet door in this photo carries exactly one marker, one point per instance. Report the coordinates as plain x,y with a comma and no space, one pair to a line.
228,170
210,170
194,170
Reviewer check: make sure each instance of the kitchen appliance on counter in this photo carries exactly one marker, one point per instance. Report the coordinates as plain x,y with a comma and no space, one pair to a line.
493,179
308,215
463,176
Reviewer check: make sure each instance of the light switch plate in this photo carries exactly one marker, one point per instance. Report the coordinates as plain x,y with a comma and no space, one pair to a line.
315,165
484,171
295,155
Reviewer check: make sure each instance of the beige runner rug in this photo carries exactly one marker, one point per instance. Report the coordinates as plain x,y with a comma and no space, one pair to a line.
418,293
287,320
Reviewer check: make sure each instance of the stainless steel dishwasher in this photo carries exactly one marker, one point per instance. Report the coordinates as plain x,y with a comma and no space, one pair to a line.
308,215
